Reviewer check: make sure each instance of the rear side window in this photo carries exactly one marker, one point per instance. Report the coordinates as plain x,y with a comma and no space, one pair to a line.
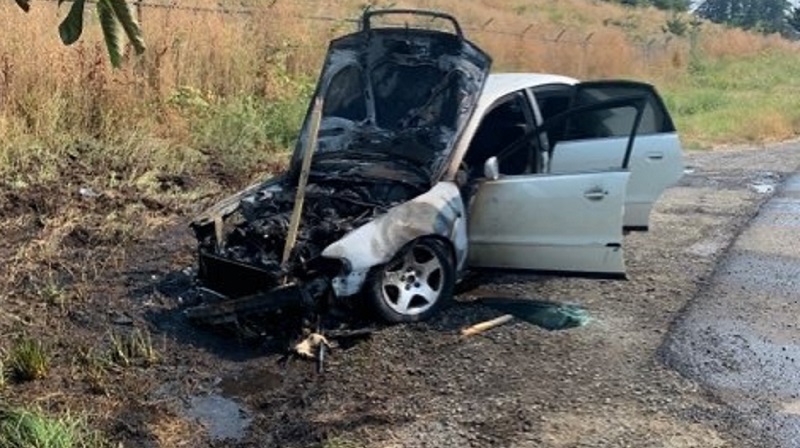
616,122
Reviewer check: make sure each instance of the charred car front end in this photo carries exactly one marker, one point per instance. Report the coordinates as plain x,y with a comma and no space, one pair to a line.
394,103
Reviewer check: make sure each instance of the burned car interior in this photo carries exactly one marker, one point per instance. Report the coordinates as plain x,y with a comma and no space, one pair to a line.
522,147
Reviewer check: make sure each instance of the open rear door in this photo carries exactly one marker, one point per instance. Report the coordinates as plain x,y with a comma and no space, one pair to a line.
555,222
655,161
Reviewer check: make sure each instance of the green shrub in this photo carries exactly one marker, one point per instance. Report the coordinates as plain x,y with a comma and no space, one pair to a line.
241,132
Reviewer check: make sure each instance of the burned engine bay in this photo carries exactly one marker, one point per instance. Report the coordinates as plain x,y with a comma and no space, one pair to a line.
342,194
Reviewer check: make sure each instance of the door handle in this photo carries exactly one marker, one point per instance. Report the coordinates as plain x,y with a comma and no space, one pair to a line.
655,155
595,194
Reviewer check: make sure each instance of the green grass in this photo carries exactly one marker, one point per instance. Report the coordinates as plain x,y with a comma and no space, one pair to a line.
242,131
742,100
20,428
28,360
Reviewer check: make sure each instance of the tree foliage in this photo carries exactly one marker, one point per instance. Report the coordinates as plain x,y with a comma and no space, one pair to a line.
793,19
768,16
115,17
669,5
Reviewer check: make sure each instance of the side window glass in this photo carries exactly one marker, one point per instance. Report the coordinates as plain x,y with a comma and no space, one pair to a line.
616,122
586,120
600,124
345,96
499,130
553,103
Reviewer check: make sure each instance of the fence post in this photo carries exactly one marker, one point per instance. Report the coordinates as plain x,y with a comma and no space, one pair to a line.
584,53
525,31
139,11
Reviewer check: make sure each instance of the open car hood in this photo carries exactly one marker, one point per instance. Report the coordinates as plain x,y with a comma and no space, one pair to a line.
401,92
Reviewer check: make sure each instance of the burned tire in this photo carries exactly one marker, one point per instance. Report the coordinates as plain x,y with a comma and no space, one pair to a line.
415,284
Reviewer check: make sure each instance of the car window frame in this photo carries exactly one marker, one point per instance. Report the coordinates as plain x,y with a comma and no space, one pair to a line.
635,101
531,123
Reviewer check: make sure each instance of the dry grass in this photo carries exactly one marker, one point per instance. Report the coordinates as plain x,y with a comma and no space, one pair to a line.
171,110
2,372
134,347
174,431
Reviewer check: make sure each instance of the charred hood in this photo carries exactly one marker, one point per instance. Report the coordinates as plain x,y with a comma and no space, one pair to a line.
396,93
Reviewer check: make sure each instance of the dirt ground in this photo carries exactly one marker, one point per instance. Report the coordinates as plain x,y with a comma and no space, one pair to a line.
604,384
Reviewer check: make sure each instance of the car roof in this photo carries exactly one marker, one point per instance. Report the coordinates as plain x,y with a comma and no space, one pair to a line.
500,84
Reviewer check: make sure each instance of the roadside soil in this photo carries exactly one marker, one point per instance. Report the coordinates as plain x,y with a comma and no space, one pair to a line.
605,384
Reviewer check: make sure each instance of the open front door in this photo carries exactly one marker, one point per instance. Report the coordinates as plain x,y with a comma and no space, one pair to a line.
655,161
567,223
563,222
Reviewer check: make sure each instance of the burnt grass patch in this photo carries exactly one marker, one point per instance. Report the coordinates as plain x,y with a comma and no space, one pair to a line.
118,272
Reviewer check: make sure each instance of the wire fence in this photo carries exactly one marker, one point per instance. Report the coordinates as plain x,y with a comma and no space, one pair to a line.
649,52
526,32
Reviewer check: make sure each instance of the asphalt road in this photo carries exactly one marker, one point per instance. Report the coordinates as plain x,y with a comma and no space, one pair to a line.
740,337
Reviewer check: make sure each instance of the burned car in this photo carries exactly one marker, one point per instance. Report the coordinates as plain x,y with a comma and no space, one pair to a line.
414,165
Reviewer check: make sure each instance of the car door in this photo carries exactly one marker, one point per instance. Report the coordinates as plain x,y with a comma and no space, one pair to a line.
554,222
655,162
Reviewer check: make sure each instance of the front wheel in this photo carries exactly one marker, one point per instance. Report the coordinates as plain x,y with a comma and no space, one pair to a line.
415,284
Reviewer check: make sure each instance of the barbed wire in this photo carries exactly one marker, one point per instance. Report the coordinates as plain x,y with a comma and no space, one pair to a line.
526,33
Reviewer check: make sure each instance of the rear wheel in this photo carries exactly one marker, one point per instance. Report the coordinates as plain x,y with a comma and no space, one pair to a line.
415,284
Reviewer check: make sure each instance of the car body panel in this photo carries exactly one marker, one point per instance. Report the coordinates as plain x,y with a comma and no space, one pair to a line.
439,212
569,222
655,164
656,160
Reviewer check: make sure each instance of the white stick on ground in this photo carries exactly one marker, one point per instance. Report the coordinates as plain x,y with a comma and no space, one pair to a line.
487,325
